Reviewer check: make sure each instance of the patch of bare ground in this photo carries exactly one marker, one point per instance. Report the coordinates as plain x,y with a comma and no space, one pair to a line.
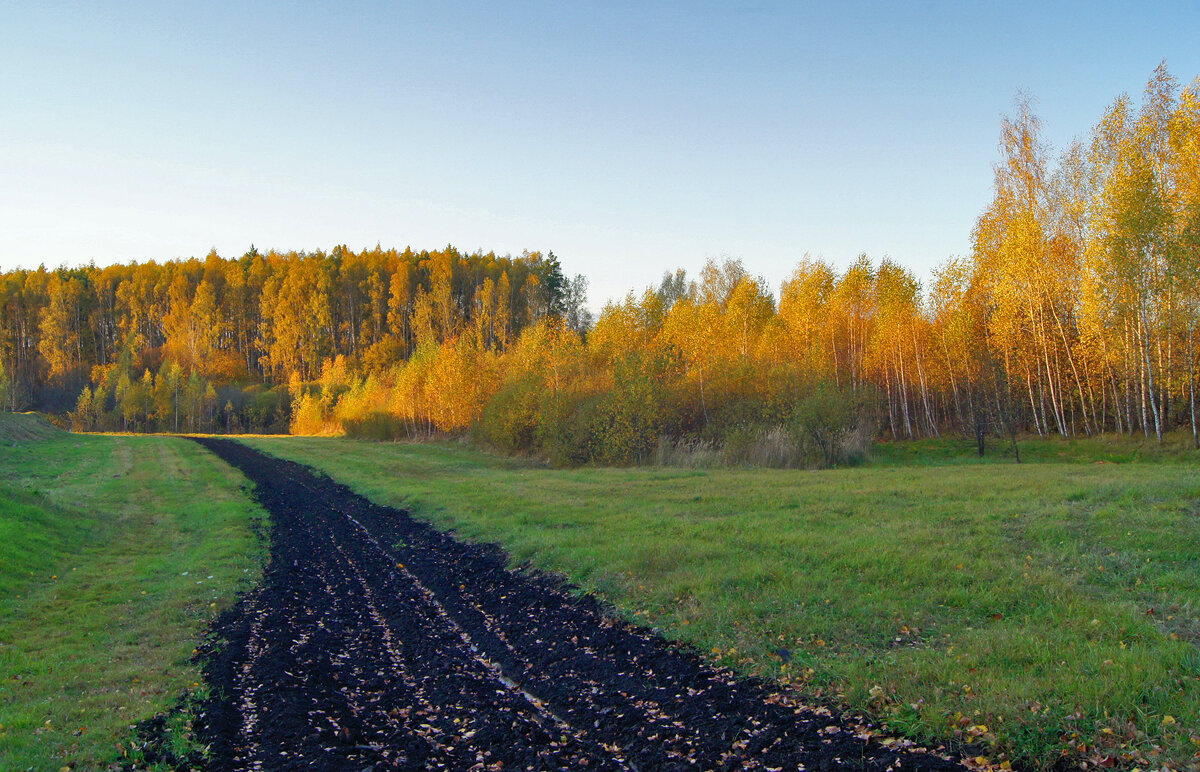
377,642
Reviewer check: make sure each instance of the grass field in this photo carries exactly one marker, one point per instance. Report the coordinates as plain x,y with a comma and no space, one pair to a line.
114,554
1039,610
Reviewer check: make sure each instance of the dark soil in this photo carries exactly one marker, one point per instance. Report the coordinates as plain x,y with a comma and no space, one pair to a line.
377,642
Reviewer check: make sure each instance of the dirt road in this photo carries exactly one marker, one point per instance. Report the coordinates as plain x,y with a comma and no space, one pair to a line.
377,642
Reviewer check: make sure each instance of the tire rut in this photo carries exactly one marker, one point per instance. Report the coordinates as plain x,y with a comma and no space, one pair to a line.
377,642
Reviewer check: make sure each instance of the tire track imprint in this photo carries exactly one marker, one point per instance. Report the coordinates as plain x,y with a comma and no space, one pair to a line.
377,642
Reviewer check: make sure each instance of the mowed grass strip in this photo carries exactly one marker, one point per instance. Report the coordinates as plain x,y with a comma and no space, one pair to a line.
1036,611
114,554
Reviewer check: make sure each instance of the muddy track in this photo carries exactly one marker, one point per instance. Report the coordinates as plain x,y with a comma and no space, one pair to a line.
378,642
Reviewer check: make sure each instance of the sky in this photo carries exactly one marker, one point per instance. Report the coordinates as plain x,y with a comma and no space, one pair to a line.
628,138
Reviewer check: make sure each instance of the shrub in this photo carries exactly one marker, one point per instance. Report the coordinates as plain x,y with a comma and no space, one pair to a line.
693,452
376,425
832,425
569,427
312,417
630,419
510,419
775,447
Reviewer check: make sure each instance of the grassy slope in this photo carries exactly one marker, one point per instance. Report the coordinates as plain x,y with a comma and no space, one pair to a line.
97,619
23,428
1036,609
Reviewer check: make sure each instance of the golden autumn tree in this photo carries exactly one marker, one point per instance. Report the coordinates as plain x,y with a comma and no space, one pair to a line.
804,308
1184,169
1134,264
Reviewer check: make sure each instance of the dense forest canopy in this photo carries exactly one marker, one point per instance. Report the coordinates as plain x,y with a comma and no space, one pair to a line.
126,341
1076,312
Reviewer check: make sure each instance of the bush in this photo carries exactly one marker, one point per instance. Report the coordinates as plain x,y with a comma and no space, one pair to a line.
312,416
691,452
775,447
833,426
630,418
510,419
376,425
266,410
569,427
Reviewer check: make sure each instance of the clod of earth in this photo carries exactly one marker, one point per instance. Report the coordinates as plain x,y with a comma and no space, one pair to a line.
377,642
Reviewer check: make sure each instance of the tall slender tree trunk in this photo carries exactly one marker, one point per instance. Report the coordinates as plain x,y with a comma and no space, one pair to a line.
902,388
1192,385
1166,383
1128,371
1139,341
887,382
1051,380
1052,386
1033,404
1150,385
1104,409
958,407
1192,400
930,421
1098,421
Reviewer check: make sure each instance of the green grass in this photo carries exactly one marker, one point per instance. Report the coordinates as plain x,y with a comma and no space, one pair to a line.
113,552
1177,447
21,428
1037,610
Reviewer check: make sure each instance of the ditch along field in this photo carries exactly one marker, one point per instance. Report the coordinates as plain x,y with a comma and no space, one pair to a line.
115,554
1041,613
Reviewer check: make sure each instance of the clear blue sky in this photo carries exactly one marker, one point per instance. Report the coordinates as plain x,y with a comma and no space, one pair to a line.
630,139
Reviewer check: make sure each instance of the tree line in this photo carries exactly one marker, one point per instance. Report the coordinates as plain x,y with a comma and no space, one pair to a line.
222,343
1077,312
1083,287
